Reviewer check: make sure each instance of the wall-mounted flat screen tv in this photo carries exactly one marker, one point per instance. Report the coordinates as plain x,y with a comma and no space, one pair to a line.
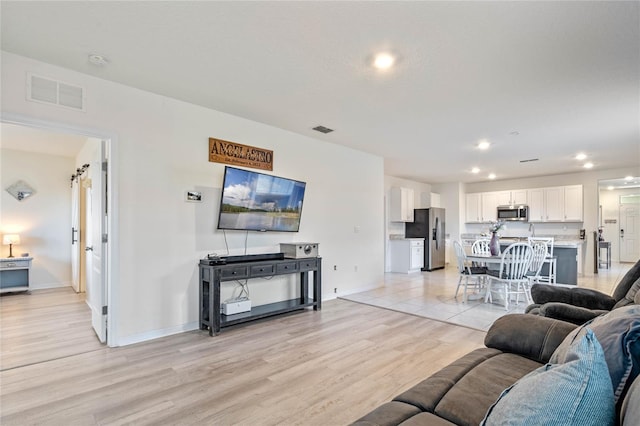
253,201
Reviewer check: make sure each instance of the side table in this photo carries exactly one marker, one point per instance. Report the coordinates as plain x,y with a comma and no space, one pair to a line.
15,274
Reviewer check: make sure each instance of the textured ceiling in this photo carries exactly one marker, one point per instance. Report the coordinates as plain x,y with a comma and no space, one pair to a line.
564,75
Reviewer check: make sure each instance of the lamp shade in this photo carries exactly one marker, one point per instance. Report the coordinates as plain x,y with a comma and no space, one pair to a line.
10,239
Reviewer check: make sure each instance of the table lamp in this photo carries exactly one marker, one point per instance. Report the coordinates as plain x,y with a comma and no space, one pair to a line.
10,240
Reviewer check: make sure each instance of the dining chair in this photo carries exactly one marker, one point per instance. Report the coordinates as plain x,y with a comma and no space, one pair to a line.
550,259
481,246
511,278
467,271
537,260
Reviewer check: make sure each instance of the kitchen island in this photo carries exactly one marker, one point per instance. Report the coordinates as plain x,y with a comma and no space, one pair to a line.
568,253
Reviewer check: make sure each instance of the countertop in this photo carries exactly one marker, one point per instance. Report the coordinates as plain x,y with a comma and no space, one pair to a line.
558,242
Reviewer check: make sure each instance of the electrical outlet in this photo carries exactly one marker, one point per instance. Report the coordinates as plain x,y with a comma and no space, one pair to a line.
335,267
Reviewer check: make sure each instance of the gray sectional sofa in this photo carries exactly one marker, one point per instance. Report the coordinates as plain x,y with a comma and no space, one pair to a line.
579,305
463,392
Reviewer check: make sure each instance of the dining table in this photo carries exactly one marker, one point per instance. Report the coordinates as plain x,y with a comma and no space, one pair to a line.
483,259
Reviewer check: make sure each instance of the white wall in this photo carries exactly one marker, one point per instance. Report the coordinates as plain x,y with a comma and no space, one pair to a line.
42,220
162,148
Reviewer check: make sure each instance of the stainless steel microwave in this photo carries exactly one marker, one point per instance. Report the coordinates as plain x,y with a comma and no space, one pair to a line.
513,213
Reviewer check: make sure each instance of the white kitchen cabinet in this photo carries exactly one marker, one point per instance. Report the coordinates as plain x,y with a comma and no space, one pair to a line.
511,198
472,208
503,198
407,255
573,210
535,199
556,204
519,197
490,203
401,205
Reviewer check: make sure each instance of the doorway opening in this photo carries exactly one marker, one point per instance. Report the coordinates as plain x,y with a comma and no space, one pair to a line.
87,280
619,220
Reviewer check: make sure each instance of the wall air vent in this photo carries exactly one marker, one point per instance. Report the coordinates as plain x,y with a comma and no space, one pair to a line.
530,160
322,129
48,91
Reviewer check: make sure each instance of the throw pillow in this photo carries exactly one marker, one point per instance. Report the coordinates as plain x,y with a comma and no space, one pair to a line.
619,335
577,391
628,298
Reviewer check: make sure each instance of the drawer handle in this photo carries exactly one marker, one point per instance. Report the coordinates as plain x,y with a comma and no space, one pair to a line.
261,270
233,273
11,264
286,267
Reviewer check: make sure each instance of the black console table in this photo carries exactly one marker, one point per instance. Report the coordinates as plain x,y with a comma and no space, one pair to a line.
212,275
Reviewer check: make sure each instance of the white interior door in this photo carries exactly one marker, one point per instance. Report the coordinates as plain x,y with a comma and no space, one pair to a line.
75,236
95,248
629,232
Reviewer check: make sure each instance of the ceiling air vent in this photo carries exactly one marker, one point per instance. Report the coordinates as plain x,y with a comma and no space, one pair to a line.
322,129
530,160
46,90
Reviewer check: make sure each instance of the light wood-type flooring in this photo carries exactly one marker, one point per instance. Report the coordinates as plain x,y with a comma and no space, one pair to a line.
44,325
311,368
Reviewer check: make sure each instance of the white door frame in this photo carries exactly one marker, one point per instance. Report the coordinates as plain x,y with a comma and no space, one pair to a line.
112,204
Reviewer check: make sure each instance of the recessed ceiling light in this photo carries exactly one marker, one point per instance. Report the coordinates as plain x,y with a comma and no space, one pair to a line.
492,176
384,61
581,156
514,133
610,188
588,165
475,170
628,178
484,144
98,60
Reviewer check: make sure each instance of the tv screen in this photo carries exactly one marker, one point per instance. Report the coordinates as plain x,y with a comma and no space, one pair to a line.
254,201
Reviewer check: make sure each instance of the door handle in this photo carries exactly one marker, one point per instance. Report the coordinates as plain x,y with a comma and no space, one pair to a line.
73,235
88,249
622,233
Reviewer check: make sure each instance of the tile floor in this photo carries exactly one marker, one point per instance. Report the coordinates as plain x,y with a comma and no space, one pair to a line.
431,295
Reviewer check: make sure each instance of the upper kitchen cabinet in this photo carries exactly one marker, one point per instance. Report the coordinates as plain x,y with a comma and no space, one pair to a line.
483,206
557,204
473,208
510,198
573,208
490,203
401,205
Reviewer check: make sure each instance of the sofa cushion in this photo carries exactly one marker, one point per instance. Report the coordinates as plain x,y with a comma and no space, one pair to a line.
428,393
626,282
576,390
467,402
628,298
542,337
619,334
423,419
389,414
630,414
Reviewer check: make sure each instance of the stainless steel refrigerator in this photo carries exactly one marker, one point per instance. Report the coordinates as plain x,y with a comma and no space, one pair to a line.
429,224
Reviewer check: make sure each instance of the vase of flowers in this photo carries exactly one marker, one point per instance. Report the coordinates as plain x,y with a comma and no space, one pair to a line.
494,244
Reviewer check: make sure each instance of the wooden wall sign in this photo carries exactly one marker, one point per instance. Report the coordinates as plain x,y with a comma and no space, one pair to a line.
221,151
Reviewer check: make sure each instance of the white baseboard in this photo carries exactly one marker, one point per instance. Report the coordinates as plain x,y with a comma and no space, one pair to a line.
155,334
42,286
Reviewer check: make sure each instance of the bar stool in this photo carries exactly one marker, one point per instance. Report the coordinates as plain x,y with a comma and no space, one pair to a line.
550,259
